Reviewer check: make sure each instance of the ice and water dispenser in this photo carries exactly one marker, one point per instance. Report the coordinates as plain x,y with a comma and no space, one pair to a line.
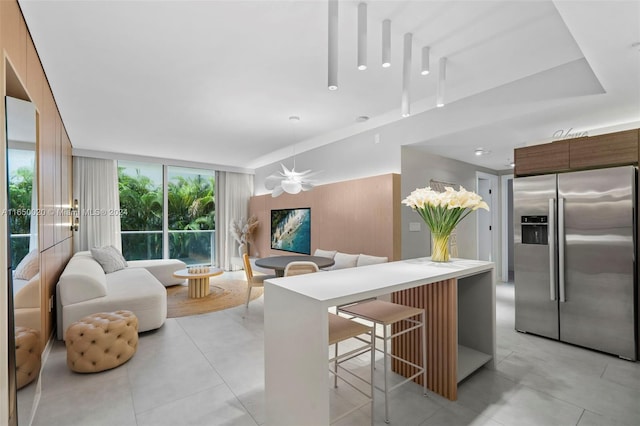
534,230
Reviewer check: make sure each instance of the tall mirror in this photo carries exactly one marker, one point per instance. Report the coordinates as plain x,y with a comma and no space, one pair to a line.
22,205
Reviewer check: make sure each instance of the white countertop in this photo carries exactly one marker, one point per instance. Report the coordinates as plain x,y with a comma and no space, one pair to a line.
335,287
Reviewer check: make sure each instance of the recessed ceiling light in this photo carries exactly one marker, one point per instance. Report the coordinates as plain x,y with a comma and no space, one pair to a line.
482,151
361,119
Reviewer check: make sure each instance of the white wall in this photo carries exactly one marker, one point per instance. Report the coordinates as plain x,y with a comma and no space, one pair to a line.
355,157
418,168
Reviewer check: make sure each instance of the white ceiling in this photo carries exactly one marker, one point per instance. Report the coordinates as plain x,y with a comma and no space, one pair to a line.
215,81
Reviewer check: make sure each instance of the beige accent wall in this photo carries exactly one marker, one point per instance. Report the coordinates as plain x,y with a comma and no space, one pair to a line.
355,216
23,77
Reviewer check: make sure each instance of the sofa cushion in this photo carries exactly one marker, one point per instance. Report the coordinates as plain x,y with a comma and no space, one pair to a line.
365,260
345,260
325,253
82,279
28,267
109,258
162,269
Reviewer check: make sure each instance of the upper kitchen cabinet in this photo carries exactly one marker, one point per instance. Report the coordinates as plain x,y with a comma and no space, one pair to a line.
541,159
613,149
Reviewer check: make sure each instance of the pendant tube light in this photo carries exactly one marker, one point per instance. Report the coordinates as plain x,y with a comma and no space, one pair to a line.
333,45
406,75
424,69
386,43
362,36
442,76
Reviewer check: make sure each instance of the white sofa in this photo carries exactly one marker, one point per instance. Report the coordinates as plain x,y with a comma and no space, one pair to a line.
347,260
162,269
84,289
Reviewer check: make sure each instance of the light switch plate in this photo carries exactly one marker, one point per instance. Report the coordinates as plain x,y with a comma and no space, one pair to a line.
414,226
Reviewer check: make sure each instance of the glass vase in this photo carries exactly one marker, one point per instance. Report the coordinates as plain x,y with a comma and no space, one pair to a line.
440,247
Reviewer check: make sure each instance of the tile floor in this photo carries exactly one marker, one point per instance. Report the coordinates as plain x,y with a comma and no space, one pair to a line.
208,370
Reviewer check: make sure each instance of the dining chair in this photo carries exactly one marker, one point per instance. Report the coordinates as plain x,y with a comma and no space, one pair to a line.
342,329
252,280
300,267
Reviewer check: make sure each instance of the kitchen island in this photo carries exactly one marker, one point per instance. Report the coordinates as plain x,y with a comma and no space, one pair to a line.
459,297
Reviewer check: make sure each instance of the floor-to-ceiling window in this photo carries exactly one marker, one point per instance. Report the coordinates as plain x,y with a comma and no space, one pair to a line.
167,212
191,214
141,204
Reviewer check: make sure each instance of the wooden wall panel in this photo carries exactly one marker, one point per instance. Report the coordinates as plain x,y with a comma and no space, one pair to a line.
356,216
613,149
46,159
539,159
53,159
35,76
440,301
55,178
67,183
13,33
47,276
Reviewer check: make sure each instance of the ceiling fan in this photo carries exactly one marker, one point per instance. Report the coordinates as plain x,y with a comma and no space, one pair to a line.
289,181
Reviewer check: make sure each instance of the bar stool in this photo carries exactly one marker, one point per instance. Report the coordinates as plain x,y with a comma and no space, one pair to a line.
340,330
386,314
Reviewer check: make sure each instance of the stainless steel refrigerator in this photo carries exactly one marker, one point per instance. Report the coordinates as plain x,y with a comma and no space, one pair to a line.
575,253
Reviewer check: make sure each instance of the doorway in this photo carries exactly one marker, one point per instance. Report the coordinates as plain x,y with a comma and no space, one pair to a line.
486,221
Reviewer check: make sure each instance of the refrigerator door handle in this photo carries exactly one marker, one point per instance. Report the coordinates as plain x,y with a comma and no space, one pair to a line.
552,249
561,243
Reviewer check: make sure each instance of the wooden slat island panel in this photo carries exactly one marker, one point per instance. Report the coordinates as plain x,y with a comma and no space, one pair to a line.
440,301
460,303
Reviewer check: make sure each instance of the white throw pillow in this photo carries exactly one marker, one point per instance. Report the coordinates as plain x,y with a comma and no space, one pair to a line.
119,254
325,253
365,260
109,258
28,266
345,260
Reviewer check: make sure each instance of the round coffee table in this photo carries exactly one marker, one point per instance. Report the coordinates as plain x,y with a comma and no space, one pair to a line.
199,281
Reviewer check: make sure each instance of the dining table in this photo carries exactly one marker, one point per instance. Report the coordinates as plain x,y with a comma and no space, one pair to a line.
279,263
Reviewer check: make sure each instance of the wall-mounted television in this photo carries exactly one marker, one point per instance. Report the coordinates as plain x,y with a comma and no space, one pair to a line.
291,230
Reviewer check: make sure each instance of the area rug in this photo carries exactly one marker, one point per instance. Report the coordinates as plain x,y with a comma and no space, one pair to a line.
223,294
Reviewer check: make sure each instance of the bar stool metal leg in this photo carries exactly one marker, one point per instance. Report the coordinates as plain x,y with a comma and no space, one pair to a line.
386,374
341,329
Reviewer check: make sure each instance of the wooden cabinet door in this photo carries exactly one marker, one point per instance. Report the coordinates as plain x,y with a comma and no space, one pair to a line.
613,149
540,159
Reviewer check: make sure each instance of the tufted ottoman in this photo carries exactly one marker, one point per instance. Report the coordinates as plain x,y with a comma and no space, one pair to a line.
27,355
101,341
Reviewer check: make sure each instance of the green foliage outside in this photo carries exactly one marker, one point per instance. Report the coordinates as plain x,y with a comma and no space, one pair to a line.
20,192
191,208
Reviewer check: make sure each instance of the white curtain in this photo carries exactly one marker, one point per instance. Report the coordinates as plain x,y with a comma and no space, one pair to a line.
95,186
233,191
